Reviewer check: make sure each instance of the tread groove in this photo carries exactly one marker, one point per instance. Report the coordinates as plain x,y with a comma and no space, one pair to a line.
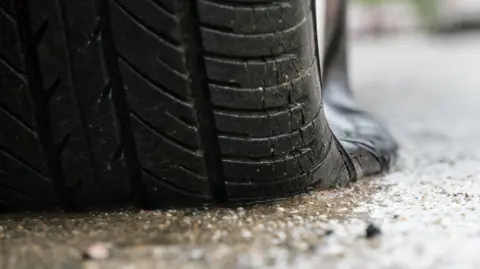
224,83
257,112
169,66
188,170
235,86
106,93
217,29
9,16
28,196
15,117
285,55
35,92
266,114
37,36
161,37
17,72
206,122
117,154
236,4
162,135
50,92
171,184
180,120
24,163
161,7
3,172
73,87
117,96
313,169
64,142
291,154
162,89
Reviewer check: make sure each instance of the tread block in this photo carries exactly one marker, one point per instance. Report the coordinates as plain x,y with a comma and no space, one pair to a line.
256,45
156,60
9,49
17,137
18,176
167,158
160,109
261,98
262,19
247,73
274,146
268,123
163,194
155,16
13,95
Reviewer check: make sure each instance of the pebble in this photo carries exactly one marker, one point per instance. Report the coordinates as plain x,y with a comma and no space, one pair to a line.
246,234
97,251
372,231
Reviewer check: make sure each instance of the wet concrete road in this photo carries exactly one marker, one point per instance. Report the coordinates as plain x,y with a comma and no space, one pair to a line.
427,90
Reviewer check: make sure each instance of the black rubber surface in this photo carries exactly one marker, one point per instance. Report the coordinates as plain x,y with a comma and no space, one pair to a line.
109,103
369,145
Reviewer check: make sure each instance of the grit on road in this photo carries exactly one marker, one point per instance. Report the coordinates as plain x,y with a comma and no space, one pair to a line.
425,89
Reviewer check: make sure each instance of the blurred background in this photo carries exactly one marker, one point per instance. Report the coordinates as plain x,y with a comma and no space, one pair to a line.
380,17
414,64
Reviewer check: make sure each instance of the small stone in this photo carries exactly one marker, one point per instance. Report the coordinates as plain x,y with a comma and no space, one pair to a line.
197,254
246,234
328,232
280,209
372,231
97,251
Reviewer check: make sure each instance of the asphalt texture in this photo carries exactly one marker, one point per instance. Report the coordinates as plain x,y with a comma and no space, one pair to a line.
424,214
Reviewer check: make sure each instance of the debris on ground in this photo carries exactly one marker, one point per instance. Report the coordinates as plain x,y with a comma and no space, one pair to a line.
328,232
372,231
97,251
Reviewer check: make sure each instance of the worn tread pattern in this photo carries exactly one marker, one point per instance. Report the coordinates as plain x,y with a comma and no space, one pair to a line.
22,159
264,82
164,112
160,103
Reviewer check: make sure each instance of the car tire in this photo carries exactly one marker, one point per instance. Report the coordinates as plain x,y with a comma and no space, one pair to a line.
158,103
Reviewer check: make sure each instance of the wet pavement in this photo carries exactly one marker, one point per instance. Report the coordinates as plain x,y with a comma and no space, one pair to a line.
426,90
